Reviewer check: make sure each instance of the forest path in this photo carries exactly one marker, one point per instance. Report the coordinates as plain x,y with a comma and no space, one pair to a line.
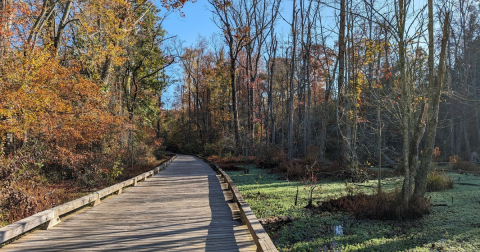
183,208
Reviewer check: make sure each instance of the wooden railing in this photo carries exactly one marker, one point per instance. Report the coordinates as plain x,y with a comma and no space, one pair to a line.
258,233
51,217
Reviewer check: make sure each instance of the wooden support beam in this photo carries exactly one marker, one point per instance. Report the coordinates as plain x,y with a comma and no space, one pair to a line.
51,223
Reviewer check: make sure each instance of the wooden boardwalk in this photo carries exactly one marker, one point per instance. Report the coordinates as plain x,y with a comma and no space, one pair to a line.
183,208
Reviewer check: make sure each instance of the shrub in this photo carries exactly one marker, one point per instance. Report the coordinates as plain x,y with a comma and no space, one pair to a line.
209,149
228,159
17,203
334,171
331,169
458,164
380,206
455,159
270,158
230,167
144,154
22,188
438,181
464,166
294,169
312,155
214,158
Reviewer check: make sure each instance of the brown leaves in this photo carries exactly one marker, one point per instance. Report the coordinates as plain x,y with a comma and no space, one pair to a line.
242,33
224,4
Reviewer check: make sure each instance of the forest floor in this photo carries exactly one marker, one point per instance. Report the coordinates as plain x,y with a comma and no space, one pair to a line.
453,223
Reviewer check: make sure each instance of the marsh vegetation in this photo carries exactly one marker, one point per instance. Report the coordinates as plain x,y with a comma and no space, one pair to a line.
451,224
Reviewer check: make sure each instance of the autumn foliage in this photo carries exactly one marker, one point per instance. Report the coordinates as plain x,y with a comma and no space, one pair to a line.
79,88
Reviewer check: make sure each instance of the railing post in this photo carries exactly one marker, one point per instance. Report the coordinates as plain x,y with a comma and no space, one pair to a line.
97,200
51,223
120,190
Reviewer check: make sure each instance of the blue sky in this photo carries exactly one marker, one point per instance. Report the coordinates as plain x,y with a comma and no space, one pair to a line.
198,22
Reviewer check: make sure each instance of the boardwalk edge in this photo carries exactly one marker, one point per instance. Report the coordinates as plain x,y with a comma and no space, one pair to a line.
51,217
258,233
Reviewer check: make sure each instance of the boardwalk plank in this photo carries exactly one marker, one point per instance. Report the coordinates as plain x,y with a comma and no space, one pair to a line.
183,208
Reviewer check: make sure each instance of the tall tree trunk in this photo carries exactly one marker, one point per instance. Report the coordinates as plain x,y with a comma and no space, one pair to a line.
468,148
435,90
476,87
405,102
379,122
271,124
61,27
292,78
452,138
234,100
106,69
341,78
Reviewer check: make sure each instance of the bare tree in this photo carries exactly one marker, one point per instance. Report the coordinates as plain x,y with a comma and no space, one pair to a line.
435,87
228,17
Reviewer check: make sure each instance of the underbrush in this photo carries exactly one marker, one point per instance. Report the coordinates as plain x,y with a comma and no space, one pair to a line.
230,159
378,206
271,157
230,167
458,164
29,186
465,166
292,170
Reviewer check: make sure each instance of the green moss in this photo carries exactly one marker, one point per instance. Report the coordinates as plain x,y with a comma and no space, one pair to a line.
454,227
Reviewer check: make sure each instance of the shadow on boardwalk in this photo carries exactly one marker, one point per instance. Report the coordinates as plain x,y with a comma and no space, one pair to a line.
183,208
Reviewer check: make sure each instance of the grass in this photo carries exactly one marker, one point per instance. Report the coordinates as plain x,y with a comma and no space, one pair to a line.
452,225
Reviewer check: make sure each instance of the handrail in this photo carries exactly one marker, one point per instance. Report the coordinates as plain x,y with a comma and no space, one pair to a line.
51,217
258,233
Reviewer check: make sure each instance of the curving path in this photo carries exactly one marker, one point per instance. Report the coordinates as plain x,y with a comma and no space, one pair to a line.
183,208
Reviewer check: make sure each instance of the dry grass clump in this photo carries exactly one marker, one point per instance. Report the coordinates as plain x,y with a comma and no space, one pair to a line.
230,167
465,166
458,164
379,206
294,170
334,171
228,159
271,157
438,181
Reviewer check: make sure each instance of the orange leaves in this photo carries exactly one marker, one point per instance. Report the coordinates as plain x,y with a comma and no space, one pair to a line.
175,4
51,101
224,4
242,33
